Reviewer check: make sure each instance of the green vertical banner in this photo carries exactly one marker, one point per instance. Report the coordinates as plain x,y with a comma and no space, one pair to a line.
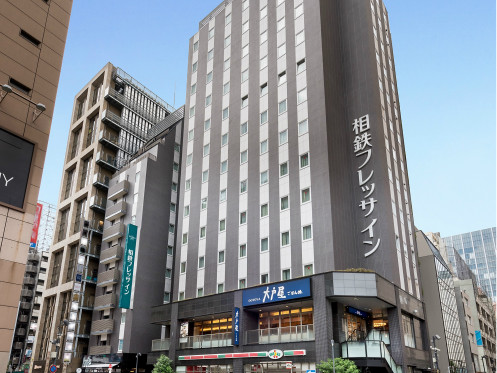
128,266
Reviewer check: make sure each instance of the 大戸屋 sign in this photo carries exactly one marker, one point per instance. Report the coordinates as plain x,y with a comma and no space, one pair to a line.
278,292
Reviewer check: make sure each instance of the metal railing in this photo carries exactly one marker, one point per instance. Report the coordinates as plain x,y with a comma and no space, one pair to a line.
161,344
99,201
296,333
101,179
370,349
124,124
206,341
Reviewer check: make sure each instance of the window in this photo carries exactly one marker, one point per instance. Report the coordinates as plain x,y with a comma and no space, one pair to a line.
226,64
207,124
264,89
201,262
282,77
245,4
173,207
194,67
228,19
203,203
167,297
208,100
200,292
304,160
299,38
186,211
169,250
206,149
301,66
264,244
220,288
227,41
264,210
202,232
226,113
283,137
220,256
243,128
222,195
171,228
195,46
306,195
190,135
245,27
174,187
306,232
284,169
193,88
263,62
226,88
285,274
264,177
189,159
245,50
205,176
303,128
263,37
224,139
264,117
211,33
242,253
244,101
299,10
224,166
284,203
29,38
281,24
183,267
177,147
242,283
285,238
192,111
243,157
210,55
281,50
120,345
185,238
168,273
243,217
209,77
282,107
243,186
181,295
264,278
263,147
245,75
302,96
263,12
188,184
308,270
408,328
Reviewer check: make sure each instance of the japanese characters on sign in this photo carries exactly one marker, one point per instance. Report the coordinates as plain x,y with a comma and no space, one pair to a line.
236,326
363,149
128,266
277,292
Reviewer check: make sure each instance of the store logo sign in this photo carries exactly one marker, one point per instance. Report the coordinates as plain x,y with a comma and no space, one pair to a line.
275,354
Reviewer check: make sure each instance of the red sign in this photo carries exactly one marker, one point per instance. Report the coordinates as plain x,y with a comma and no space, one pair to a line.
36,224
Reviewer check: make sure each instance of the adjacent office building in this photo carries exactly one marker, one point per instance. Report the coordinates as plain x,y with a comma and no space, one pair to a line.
294,217
478,251
33,36
111,117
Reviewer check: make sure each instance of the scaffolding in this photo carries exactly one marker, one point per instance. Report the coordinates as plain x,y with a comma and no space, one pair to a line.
47,227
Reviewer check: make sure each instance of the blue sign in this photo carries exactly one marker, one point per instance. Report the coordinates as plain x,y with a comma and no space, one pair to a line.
53,368
355,311
236,326
32,245
479,341
277,292
128,266
78,277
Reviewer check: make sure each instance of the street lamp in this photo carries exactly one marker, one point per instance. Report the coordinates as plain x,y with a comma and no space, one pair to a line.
137,356
435,349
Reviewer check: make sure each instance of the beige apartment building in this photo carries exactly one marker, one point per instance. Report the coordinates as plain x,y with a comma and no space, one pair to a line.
110,120
32,40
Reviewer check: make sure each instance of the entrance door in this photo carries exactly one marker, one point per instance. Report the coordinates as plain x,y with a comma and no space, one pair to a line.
356,328
272,367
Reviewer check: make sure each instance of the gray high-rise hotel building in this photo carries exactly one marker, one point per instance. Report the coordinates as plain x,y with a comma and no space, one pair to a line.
294,217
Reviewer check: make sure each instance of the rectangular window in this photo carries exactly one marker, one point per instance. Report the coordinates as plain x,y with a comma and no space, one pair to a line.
193,89
245,27
220,256
189,159
120,345
192,111
263,12
194,67
284,169
245,75
174,187
201,262
282,77
222,225
175,166
226,88
245,50
243,157
243,251
281,24
243,128
185,238
284,203
264,89
222,195
186,211
282,107
299,10
200,292
211,33
224,166
283,137
210,55
190,135
169,250
303,127
285,274
243,186
285,238
228,19
168,273
226,113
29,37
264,244
242,282
173,207
263,37
263,147
243,217
304,160
299,38
167,297
306,232
264,177
203,203
281,50
207,124
188,184
209,77
220,288
207,148
263,62
224,139
301,66
308,270
226,64
205,176
264,278
195,46
302,96
264,210
208,100
202,232
183,267
264,117
227,41
408,328
244,101
181,295
171,228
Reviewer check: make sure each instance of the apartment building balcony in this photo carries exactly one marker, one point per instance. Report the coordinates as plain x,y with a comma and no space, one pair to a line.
161,344
98,203
23,318
299,333
18,345
116,211
101,181
34,257
99,350
104,302
207,341
107,161
31,269
109,277
26,293
29,281
109,140
117,123
111,254
119,190
113,232
105,326
20,332
96,226
25,305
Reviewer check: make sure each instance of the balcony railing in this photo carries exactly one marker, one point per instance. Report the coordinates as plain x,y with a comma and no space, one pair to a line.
297,333
116,211
99,350
118,190
27,293
98,202
109,139
107,161
113,232
104,326
101,181
23,318
108,277
31,268
21,332
111,254
116,122
161,344
25,305
370,349
33,257
29,281
105,301
207,341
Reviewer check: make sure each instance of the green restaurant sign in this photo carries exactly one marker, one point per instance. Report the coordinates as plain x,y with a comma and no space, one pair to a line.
128,266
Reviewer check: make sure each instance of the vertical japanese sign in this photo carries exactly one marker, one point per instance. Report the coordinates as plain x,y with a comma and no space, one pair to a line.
363,149
36,226
236,326
128,266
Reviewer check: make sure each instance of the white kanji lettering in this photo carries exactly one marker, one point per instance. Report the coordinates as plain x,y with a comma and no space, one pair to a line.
365,203
360,125
361,141
373,249
367,188
361,180
266,294
369,228
281,292
368,157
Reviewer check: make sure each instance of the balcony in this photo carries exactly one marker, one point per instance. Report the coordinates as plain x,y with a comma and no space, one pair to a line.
113,232
107,161
116,211
161,344
117,123
101,181
108,277
297,333
23,318
207,341
104,302
111,254
98,203
119,190
370,349
109,140
99,350
31,269
105,326
30,281
34,257
26,293
21,332
18,345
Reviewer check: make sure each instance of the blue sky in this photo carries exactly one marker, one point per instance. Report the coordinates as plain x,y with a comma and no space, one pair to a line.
444,53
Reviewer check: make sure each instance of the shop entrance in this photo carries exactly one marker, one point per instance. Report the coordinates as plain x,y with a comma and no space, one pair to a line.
279,367
372,327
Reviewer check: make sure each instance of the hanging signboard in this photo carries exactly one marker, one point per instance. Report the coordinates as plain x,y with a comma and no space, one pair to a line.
128,266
